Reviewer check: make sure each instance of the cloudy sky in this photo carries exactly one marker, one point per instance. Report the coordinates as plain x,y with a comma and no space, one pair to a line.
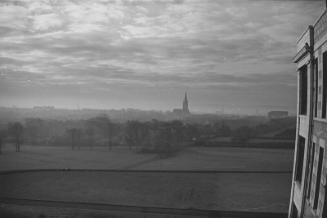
235,55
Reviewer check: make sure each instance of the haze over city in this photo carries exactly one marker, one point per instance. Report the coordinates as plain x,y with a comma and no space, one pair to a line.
146,54
163,108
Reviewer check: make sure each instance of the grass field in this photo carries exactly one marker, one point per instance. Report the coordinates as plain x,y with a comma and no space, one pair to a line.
223,191
42,157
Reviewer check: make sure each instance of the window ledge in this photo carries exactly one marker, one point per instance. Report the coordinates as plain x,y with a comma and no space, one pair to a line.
320,119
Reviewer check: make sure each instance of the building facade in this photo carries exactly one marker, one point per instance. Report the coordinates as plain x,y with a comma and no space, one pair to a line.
308,194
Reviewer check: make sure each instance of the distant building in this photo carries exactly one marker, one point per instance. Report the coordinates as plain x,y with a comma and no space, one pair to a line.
185,110
44,108
308,193
273,115
178,111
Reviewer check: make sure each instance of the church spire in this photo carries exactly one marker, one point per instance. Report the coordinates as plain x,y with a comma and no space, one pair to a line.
185,105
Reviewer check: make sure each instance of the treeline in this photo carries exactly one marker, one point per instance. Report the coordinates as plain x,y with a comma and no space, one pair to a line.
154,136
151,136
262,130
148,136
14,132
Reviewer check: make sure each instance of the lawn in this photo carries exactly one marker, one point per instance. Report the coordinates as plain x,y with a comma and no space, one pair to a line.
197,158
221,191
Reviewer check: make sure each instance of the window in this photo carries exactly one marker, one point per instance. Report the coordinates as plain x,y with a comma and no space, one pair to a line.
294,211
299,158
303,90
321,155
315,87
312,155
324,93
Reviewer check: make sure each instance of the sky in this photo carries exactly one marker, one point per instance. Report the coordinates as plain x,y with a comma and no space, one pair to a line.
229,55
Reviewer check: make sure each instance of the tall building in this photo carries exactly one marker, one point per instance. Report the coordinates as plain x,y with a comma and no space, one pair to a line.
184,110
185,105
308,193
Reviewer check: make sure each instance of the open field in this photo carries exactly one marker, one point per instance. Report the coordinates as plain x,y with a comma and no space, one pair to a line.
197,158
220,191
268,192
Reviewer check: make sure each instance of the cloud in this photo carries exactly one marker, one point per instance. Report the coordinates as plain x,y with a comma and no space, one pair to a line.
45,22
214,45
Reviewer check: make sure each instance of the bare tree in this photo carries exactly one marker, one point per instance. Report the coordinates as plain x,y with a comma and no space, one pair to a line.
74,133
3,135
106,126
176,128
110,128
135,133
90,136
16,130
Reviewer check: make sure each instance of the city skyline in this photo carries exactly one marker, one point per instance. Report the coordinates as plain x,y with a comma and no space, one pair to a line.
146,54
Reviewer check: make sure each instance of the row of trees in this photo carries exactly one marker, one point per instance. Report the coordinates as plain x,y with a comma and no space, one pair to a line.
158,136
101,126
13,133
245,133
154,136
148,135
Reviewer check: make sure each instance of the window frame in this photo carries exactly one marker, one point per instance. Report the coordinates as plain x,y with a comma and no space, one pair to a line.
303,90
300,159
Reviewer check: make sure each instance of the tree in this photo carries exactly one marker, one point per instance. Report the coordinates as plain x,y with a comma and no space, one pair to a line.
106,126
16,131
90,136
191,132
135,133
3,135
242,134
75,134
164,139
176,128
34,127
225,130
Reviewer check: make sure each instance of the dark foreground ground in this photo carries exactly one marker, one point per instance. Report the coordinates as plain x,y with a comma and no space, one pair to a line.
235,190
217,191
24,211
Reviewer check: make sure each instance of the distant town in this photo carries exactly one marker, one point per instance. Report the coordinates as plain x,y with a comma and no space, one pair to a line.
10,114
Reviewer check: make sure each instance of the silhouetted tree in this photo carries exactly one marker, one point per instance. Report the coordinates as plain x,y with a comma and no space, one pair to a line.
106,126
191,132
176,128
242,134
164,139
16,131
135,133
34,127
79,134
225,130
165,136
3,134
75,136
90,136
